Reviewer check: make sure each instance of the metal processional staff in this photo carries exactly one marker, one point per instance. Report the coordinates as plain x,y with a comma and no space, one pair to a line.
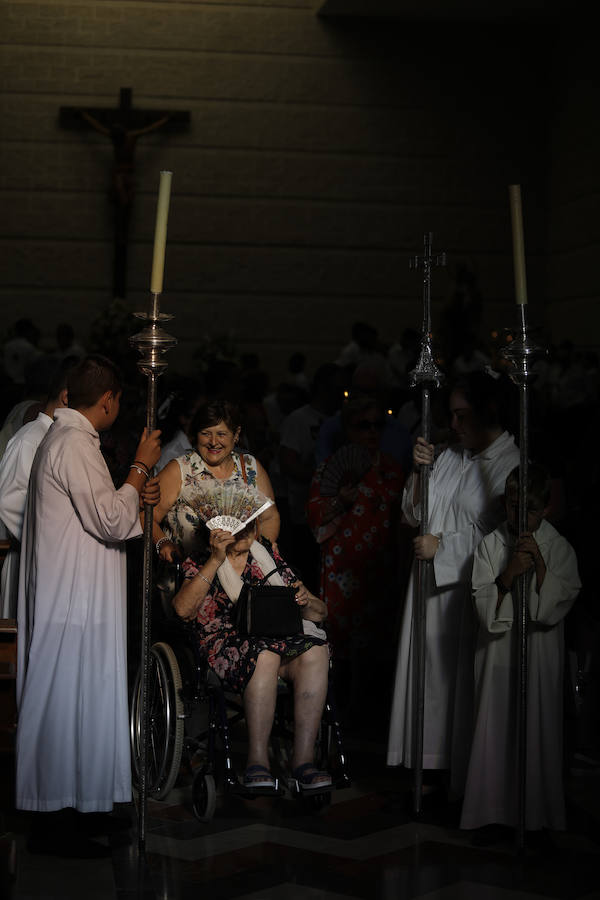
427,376
151,343
521,353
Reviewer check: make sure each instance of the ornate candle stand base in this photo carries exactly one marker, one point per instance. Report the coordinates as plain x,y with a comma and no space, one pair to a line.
521,353
152,343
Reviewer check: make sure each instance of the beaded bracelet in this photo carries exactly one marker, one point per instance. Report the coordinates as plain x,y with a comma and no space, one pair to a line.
160,542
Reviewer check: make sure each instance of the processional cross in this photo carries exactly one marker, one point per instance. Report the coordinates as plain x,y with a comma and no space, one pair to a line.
426,370
425,375
123,126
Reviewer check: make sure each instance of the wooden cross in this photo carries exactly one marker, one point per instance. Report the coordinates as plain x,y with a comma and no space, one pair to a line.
123,126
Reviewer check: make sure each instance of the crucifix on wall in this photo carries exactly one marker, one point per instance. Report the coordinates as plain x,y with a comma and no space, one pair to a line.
123,126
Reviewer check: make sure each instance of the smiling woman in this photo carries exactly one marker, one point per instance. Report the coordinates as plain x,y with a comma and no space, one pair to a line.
178,529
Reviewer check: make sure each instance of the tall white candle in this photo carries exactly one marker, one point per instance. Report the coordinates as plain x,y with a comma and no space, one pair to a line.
516,215
160,232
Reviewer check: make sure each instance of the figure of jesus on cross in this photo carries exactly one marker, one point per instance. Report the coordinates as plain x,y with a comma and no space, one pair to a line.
123,126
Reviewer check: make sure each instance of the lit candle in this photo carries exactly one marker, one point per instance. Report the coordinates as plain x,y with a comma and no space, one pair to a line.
160,232
516,215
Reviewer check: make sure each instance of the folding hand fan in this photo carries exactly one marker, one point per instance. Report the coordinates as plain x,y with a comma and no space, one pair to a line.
229,505
346,466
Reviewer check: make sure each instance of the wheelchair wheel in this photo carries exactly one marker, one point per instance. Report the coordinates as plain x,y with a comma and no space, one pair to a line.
166,725
204,796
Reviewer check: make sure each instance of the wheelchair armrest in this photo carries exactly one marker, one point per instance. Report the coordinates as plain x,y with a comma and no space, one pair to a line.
179,577
174,570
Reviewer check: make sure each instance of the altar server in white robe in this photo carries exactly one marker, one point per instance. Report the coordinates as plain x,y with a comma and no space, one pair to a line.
15,469
465,503
550,561
72,746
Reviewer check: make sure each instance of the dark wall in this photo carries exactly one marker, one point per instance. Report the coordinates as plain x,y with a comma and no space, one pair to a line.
319,152
573,301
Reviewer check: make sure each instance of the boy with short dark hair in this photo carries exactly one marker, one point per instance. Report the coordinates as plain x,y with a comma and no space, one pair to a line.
72,748
552,581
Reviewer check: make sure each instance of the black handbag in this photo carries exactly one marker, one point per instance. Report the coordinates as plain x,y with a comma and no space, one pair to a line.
266,610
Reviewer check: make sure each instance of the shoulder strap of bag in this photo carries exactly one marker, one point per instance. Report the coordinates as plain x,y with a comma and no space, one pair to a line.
243,467
282,568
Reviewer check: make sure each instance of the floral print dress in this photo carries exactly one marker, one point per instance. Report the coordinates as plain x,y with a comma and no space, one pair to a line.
359,566
181,524
230,655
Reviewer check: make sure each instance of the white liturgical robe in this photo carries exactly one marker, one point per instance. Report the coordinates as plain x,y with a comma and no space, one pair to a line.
492,779
15,469
465,503
72,744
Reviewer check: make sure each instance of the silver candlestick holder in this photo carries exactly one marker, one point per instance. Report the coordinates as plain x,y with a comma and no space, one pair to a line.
152,343
521,354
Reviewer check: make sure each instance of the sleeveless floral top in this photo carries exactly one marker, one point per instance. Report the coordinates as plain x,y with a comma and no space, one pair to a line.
181,524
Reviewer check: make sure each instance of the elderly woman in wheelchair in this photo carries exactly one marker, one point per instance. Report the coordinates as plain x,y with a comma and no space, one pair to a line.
251,664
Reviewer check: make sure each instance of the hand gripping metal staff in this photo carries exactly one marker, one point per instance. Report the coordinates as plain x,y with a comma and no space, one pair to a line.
521,353
425,375
151,343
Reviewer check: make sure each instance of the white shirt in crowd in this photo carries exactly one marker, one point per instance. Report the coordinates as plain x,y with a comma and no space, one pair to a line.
15,468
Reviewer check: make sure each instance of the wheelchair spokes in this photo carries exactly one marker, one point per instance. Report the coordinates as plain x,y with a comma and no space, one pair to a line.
165,725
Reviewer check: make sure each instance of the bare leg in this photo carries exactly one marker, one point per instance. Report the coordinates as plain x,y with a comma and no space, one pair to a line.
259,706
308,672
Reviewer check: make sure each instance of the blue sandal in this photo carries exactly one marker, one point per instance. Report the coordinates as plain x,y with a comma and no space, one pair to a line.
259,777
306,774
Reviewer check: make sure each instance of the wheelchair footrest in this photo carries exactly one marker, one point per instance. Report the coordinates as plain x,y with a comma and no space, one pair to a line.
297,788
248,791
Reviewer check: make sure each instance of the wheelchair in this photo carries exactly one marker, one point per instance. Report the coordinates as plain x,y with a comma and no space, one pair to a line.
191,716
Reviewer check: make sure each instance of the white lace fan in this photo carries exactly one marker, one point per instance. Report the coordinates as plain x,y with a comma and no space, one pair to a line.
346,466
229,505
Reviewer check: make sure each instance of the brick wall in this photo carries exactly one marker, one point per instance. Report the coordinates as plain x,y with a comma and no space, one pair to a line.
319,153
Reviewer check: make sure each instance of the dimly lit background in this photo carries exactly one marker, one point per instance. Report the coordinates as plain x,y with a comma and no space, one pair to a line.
324,139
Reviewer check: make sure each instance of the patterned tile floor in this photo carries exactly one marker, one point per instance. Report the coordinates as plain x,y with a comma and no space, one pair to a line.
366,844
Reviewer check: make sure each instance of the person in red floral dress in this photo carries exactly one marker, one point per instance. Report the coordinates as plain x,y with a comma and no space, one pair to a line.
355,524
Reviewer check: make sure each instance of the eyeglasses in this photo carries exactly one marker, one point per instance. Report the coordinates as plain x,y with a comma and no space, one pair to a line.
369,425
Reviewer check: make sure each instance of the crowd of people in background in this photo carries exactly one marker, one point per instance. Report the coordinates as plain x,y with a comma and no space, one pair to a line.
353,547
